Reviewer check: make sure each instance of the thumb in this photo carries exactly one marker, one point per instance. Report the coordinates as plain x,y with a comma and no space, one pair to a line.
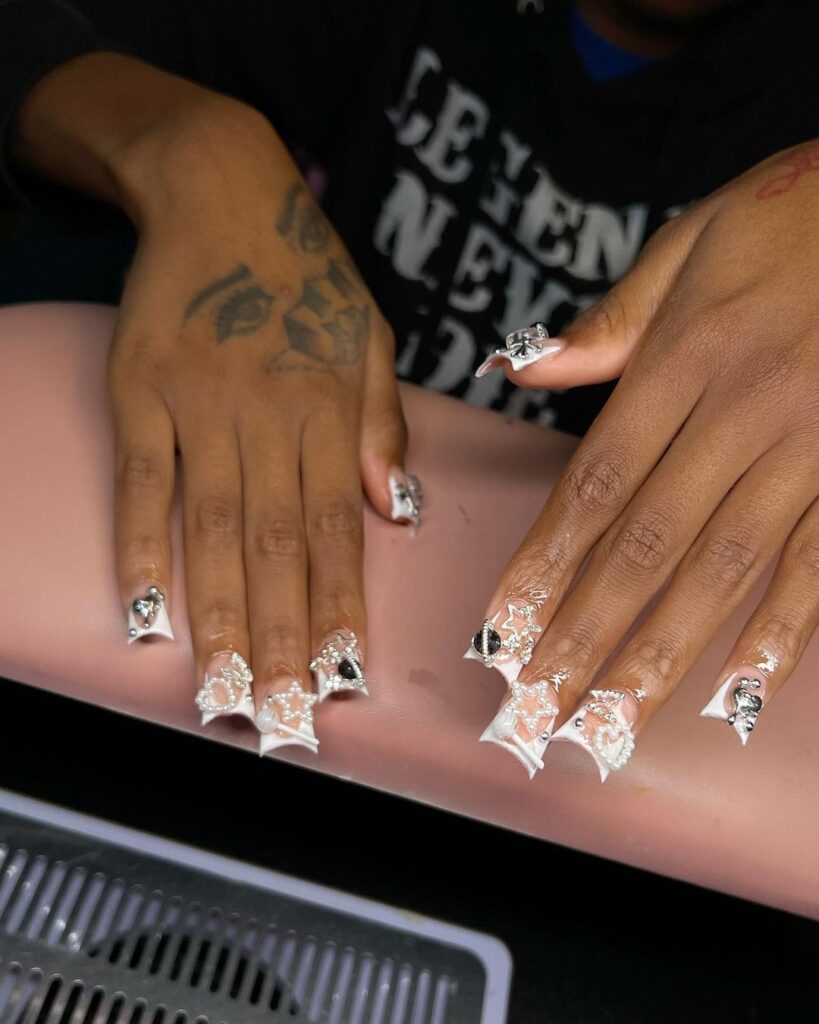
394,493
597,345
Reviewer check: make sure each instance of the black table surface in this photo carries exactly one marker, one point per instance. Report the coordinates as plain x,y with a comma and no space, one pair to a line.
601,943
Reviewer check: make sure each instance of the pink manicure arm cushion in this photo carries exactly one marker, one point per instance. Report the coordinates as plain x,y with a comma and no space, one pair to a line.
691,804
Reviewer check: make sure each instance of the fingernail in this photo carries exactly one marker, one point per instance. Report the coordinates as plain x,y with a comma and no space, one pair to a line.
227,688
286,717
604,726
523,724
148,614
506,641
738,700
338,665
524,347
407,497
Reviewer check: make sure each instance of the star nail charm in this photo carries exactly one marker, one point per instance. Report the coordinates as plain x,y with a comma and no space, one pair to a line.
508,644
287,718
338,665
524,722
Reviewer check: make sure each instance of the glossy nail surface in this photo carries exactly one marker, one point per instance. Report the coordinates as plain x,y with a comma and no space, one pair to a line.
524,722
506,641
604,726
523,348
286,718
407,497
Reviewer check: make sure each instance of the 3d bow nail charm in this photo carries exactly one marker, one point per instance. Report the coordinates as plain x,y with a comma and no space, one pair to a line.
524,722
148,616
739,700
338,665
507,640
226,689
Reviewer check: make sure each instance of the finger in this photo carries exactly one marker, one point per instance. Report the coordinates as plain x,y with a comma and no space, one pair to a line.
627,440
276,569
776,635
711,581
638,553
599,343
333,515
143,492
214,571
394,493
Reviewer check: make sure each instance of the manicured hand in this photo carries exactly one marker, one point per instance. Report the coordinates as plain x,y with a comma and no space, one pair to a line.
701,466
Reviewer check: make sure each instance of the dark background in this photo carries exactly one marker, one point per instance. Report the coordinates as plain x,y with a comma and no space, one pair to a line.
603,944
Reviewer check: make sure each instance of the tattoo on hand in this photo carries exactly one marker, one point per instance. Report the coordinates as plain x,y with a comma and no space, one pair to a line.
244,311
804,161
330,323
301,221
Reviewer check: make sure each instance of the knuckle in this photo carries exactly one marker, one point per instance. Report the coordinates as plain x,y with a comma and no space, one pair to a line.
216,518
277,540
641,544
578,645
805,556
140,472
596,483
724,560
340,518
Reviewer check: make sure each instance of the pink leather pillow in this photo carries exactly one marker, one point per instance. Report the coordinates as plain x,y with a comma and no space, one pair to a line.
692,803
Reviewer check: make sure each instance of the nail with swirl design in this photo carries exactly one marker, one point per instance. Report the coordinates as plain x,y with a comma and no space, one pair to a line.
604,726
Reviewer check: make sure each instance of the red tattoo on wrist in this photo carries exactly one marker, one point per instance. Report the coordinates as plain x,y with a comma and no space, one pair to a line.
803,161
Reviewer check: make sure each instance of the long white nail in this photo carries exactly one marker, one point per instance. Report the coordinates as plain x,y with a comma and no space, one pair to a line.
148,615
286,718
604,726
739,700
523,724
338,665
227,688
523,348
506,641
407,497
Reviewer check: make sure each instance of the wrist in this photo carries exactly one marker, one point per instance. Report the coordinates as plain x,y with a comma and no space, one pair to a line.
200,155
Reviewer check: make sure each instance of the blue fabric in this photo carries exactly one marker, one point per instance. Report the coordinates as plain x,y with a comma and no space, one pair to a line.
602,59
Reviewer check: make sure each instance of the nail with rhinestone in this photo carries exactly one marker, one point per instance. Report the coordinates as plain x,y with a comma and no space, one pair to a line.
227,688
338,665
407,497
524,347
286,718
604,726
523,724
506,641
738,700
148,614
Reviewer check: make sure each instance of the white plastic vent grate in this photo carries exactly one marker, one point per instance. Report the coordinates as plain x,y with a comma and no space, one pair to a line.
101,925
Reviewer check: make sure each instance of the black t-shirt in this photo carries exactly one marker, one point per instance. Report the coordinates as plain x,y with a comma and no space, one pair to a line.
480,177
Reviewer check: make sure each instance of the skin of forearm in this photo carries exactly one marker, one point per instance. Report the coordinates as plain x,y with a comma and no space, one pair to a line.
147,141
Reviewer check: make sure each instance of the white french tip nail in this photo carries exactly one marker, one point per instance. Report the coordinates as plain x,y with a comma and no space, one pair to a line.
338,666
524,348
407,497
226,689
286,718
604,727
507,640
524,722
148,615
739,700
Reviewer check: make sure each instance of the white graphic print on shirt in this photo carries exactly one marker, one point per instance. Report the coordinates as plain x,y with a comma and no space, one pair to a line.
529,249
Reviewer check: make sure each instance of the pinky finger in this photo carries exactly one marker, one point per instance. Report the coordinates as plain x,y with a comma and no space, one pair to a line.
776,635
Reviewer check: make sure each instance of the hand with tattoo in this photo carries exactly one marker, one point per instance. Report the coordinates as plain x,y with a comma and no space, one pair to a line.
246,342
702,466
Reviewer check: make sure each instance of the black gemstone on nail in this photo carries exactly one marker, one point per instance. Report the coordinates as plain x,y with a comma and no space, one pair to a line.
347,670
493,642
